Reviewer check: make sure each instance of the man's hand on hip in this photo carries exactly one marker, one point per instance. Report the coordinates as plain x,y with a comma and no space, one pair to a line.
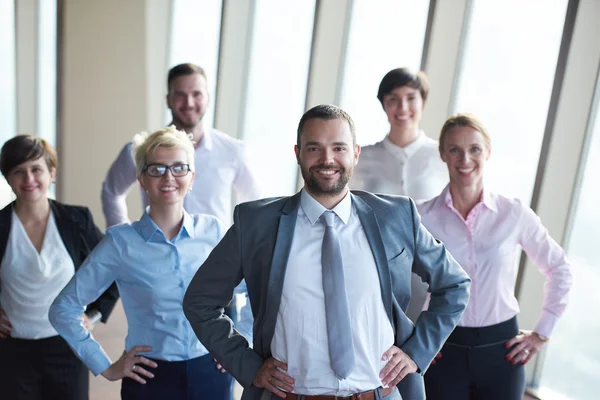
271,378
398,366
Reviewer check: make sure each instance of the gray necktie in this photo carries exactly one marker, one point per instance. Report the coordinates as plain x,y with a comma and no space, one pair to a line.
339,328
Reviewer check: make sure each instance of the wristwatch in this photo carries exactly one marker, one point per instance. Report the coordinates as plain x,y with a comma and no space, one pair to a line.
542,337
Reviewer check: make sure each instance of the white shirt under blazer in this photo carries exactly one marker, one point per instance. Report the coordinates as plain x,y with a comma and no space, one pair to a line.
30,281
300,337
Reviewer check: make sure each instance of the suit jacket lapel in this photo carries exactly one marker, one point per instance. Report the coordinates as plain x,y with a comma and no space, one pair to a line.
66,228
368,219
283,243
5,223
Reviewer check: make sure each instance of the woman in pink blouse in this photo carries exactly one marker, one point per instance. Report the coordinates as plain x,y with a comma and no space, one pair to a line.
484,357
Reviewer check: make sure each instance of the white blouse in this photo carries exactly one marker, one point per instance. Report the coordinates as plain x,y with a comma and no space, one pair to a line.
30,281
415,170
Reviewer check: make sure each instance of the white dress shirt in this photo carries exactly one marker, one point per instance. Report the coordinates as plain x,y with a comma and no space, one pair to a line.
221,166
487,244
29,281
300,337
415,170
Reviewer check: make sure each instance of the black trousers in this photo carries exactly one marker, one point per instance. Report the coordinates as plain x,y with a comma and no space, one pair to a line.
42,369
473,366
195,379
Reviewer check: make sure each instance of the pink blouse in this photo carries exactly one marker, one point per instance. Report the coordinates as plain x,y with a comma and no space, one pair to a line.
487,245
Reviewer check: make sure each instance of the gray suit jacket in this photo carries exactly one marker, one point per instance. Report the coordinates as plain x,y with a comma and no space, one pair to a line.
257,247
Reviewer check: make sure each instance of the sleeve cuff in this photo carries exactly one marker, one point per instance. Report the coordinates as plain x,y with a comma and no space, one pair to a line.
252,362
546,324
422,362
98,362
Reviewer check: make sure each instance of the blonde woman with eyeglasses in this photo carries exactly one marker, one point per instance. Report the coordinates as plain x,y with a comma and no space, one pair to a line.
152,261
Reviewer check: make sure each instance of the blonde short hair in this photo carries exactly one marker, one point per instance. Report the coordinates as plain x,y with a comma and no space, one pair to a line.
145,143
464,119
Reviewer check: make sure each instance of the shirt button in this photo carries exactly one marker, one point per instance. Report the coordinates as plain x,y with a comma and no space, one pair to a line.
180,284
176,267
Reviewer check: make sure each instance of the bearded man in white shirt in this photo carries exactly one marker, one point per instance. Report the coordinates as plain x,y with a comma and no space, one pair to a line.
222,167
328,274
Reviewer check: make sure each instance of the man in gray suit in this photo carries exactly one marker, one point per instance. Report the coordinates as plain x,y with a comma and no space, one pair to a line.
328,274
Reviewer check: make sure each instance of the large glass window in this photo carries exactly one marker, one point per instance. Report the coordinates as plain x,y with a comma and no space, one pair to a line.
571,369
46,99
506,79
276,96
8,108
195,38
384,34
8,99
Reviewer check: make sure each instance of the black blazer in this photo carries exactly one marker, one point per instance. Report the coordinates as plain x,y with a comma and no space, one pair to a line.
80,236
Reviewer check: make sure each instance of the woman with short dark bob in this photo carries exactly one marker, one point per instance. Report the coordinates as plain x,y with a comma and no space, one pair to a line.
484,357
152,260
406,161
42,244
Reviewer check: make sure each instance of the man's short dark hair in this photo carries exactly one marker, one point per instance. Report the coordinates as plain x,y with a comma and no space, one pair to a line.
400,77
326,112
183,70
23,148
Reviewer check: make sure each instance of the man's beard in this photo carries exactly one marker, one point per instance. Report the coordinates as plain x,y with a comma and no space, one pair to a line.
314,186
186,126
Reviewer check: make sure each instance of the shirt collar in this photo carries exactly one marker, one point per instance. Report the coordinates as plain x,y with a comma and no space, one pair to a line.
148,228
488,199
187,228
407,150
313,209
207,140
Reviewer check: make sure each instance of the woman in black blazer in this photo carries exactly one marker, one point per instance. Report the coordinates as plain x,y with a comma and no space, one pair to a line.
42,244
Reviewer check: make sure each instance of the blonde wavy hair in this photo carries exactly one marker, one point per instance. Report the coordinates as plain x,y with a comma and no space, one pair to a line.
145,143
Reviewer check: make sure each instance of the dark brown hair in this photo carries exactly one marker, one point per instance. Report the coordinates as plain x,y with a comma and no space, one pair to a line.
23,148
326,112
400,77
183,70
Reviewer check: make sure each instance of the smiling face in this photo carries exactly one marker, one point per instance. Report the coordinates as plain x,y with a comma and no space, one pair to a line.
327,156
403,107
465,151
168,189
30,180
188,100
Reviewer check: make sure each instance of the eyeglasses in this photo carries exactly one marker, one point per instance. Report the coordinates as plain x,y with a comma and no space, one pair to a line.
158,170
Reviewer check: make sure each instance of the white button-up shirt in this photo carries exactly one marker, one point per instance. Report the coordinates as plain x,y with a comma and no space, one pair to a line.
300,337
487,245
221,167
415,170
